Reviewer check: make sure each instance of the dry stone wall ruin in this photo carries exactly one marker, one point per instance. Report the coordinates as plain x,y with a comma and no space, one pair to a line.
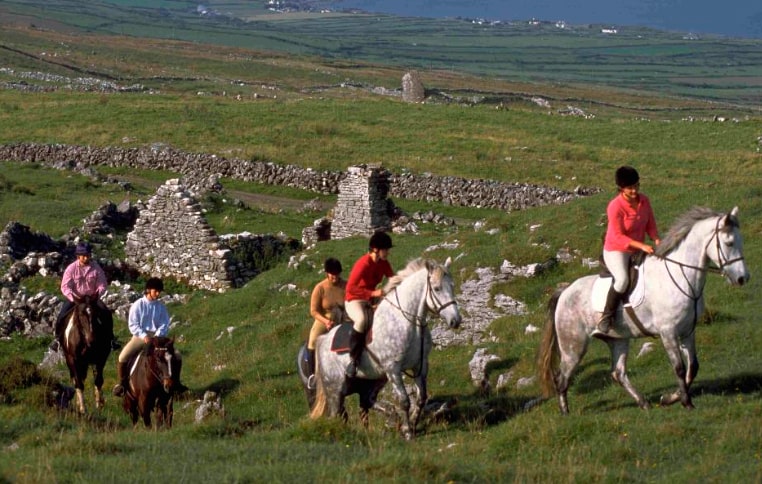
454,191
172,238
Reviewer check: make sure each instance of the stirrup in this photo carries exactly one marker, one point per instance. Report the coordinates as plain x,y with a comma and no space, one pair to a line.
118,390
311,382
604,325
351,370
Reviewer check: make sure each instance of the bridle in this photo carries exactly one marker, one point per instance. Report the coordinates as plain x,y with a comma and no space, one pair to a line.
436,307
692,293
420,321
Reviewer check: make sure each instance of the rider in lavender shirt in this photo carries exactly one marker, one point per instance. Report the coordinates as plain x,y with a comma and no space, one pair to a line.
84,278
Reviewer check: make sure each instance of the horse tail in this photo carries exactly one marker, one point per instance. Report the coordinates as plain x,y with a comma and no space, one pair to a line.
547,358
320,405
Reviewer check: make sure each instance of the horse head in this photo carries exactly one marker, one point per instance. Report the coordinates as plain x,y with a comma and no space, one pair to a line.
727,253
161,352
440,295
82,320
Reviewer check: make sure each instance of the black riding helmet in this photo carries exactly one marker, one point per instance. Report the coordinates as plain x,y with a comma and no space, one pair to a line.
154,283
332,266
626,176
380,240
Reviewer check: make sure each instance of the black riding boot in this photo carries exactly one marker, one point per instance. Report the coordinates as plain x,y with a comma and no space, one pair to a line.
609,311
356,345
60,325
123,379
178,386
311,368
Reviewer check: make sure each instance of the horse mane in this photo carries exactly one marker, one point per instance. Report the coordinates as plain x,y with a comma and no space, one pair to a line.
682,227
412,267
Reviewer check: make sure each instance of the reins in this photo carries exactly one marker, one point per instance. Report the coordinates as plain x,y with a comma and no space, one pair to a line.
414,319
691,293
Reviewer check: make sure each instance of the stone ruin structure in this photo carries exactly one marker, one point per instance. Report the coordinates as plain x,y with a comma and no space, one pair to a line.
362,206
171,238
412,88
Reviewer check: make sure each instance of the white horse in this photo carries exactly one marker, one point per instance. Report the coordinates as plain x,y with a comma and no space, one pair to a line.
401,341
674,279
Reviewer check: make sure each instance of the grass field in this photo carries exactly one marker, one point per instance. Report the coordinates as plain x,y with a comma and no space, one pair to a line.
301,115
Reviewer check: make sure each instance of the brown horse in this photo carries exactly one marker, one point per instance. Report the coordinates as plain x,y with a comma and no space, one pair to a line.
86,343
151,384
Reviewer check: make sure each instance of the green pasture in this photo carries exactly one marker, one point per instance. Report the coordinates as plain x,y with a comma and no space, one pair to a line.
265,434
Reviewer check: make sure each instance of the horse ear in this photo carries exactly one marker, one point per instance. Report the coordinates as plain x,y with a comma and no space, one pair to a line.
447,263
731,219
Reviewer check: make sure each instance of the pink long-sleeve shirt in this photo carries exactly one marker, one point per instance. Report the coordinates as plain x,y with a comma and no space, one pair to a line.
627,223
80,280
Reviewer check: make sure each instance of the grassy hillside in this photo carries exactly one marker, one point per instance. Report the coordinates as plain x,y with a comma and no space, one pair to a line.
301,110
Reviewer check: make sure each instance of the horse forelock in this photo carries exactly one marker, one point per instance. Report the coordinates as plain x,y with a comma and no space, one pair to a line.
682,227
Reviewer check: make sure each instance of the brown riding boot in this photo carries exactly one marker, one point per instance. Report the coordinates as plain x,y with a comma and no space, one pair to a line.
609,311
123,379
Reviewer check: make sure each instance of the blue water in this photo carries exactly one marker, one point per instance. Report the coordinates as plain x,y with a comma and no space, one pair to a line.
732,18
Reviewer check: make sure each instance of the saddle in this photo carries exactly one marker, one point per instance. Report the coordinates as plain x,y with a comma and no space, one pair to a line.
340,341
635,291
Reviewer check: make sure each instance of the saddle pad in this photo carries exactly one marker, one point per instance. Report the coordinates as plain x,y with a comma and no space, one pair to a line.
601,290
340,341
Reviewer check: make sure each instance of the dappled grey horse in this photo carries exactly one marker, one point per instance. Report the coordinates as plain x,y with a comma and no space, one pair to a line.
401,341
673,302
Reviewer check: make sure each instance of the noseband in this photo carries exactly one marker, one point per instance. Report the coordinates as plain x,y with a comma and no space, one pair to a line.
438,305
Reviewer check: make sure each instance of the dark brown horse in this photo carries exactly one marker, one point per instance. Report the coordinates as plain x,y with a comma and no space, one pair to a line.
86,343
151,384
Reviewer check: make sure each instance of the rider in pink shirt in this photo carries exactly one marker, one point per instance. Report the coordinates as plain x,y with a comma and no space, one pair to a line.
84,278
630,218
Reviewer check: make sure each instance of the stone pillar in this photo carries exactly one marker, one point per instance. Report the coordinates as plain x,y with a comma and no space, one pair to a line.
412,88
362,206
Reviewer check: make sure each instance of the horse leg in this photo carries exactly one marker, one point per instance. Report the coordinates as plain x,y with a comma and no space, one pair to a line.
78,378
98,383
145,407
571,349
422,394
672,347
619,351
403,404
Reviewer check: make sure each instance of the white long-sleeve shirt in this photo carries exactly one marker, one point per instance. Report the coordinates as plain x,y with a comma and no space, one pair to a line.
148,317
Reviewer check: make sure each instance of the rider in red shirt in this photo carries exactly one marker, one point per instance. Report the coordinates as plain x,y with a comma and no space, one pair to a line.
366,274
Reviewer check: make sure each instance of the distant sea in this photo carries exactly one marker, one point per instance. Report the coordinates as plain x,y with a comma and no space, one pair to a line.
731,18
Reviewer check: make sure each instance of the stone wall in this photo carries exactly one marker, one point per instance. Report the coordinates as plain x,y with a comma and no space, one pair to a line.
198,166
362,206
172,238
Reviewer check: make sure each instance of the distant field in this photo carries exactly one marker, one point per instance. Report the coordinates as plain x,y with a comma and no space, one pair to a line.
634,58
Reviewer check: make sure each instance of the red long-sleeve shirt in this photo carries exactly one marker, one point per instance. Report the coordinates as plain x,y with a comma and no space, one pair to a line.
365,276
